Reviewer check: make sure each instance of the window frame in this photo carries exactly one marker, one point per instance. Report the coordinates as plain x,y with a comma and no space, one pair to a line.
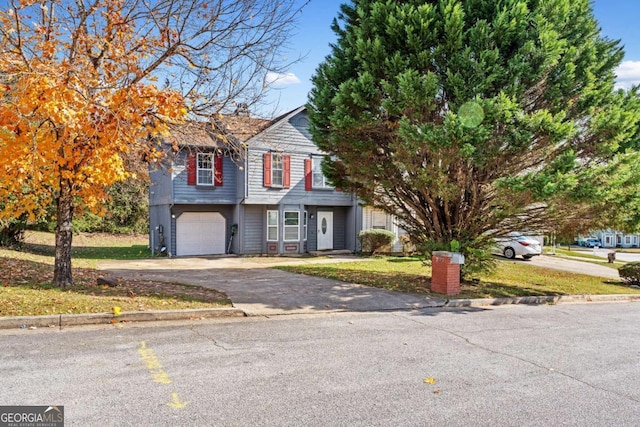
290,227
199,169
277,158
316,169
272,226
305,224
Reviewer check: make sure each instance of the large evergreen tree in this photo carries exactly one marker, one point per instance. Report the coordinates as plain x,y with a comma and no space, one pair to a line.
471,118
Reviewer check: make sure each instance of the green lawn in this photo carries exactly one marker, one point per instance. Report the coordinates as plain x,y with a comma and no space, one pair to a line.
27,273
579,254
409,274
88,248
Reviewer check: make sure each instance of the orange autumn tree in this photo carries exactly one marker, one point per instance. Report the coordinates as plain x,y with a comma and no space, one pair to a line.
79,92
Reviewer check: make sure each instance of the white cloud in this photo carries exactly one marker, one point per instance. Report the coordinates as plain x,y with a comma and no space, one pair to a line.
281,80
628,73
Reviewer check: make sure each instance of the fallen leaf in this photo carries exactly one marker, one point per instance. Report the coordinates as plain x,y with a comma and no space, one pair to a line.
429,380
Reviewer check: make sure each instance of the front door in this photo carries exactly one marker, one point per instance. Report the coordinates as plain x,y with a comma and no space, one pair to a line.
325,230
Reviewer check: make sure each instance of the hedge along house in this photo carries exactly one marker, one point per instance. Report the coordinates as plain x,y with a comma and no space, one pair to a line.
248,186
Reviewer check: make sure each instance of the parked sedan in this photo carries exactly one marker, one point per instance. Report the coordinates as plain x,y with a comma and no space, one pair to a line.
593,243
517,244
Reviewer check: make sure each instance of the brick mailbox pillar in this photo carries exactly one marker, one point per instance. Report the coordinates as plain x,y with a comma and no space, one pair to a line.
445,272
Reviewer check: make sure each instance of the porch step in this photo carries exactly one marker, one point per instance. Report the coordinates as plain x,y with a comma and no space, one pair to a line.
331,252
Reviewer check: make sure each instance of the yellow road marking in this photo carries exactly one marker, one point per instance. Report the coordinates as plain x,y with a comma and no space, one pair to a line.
158,374
153,364
176,403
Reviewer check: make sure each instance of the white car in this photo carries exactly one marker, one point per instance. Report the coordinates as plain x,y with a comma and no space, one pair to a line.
517,244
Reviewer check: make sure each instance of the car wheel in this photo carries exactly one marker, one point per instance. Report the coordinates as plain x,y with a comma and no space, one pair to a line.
509,253
527,256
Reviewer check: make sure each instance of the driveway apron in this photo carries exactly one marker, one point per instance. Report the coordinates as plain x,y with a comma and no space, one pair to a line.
261,291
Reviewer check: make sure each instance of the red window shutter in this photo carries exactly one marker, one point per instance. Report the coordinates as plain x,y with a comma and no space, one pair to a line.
191,169
266,177
286,166
308,174
217,169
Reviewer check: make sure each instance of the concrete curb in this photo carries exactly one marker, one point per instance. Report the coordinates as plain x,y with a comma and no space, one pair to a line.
65,320
532,300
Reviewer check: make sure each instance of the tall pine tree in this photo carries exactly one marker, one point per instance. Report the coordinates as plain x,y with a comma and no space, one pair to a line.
471,118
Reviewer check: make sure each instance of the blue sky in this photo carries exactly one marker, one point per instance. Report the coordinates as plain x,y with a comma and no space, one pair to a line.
618,20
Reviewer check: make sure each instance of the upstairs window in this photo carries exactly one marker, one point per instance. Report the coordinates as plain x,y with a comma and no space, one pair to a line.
277,170
319,180
313,176
205,169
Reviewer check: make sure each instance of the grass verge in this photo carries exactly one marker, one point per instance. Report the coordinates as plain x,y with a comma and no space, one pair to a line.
26,289
511,279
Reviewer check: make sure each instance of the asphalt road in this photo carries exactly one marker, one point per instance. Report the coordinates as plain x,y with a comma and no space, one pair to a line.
574,365
572,266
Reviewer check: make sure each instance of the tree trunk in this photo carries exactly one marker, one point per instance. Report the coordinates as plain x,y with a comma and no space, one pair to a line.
62,270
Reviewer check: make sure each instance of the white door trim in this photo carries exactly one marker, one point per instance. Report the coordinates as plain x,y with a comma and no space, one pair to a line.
325,231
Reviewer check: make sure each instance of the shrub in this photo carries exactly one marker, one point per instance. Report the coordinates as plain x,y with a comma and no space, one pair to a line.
373,240
630,273
127,211
12,232
408,247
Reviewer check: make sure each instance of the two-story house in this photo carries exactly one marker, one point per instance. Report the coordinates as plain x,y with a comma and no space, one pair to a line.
248,186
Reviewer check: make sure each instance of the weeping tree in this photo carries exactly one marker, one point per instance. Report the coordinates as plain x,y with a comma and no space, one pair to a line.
84,84
468,119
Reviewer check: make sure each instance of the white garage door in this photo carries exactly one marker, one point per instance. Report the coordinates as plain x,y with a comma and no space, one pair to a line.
200,233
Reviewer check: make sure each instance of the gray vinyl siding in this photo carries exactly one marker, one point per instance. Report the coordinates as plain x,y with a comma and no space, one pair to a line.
196,194
339,228
312,228
343,227
243,199
160,189
288,139
159,215
253,235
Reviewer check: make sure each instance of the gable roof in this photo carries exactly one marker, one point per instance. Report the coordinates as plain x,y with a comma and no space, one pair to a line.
229,130
221,131
244,127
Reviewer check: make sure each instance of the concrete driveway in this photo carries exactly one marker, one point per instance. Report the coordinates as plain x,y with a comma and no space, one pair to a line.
257,289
